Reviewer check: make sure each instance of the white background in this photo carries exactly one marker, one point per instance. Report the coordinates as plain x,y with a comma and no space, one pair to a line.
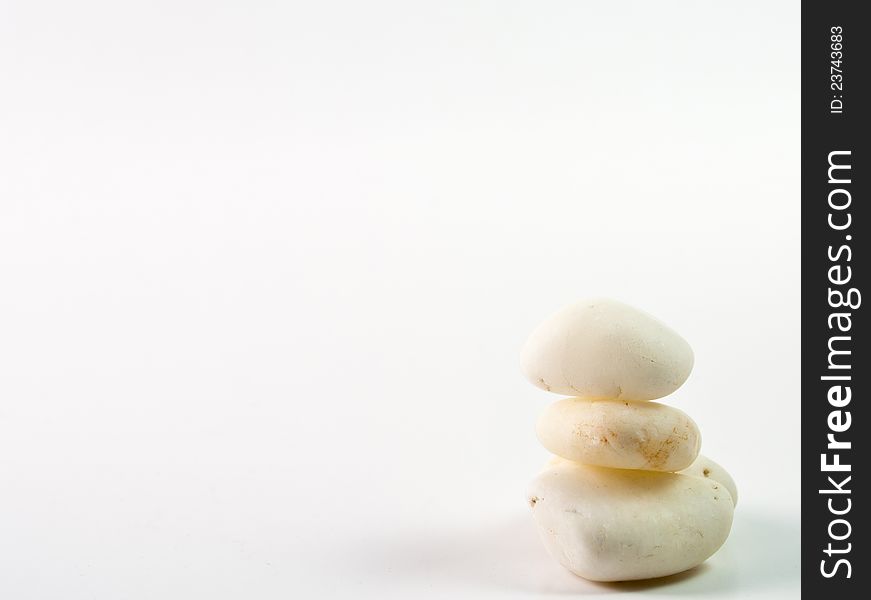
266,269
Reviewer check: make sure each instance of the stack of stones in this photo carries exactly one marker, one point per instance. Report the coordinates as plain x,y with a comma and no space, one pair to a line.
627,495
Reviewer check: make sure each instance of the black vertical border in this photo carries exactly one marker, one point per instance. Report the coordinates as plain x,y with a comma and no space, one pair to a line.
823,132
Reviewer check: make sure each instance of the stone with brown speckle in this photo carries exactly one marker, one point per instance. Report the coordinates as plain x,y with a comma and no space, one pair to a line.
621,435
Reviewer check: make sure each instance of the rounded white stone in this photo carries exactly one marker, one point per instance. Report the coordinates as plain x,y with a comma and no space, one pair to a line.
617,525
706,468
620,434
605,349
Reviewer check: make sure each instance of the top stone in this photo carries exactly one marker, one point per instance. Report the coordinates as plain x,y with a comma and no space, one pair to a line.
605,350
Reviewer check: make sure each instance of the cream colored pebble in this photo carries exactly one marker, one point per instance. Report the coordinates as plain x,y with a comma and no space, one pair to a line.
622,435
604,349
616,524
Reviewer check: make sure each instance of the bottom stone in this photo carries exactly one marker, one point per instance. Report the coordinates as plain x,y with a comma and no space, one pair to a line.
618,525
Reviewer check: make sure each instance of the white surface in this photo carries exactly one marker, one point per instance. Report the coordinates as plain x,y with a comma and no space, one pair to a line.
267,268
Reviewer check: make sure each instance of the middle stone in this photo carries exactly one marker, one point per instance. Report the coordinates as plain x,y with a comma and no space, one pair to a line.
620,434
